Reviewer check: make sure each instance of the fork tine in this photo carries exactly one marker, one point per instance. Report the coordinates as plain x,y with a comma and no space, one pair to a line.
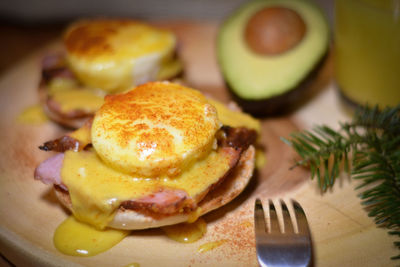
301,219
287,221
278,248
274,221
259,218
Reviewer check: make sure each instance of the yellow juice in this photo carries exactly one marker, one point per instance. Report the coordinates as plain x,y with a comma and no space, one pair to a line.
367,51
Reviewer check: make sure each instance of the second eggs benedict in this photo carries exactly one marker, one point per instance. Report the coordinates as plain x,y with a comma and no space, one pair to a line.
103,56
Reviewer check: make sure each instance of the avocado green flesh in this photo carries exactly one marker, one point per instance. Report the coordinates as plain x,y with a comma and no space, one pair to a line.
252,76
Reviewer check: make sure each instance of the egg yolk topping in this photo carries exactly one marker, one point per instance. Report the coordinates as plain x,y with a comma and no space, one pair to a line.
155,129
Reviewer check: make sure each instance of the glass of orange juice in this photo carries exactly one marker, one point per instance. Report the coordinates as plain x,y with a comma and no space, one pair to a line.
367,51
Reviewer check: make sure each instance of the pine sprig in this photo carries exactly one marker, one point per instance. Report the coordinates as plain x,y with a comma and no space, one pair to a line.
368,148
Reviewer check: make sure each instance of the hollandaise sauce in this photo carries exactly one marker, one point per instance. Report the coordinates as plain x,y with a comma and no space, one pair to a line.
211,245
78,99
82,135
186,232
79,239
71,96
260,158
32,115
97,190
235,118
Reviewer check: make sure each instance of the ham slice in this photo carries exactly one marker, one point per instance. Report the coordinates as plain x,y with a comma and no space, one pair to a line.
49,171
164,201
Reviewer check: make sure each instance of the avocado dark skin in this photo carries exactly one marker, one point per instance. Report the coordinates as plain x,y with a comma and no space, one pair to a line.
283,103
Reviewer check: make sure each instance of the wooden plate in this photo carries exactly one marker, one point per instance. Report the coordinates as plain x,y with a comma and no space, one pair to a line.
343,235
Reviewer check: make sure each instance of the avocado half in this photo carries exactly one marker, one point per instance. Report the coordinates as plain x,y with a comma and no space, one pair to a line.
267,84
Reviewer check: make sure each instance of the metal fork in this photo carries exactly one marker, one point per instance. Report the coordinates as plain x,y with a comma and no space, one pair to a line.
288,245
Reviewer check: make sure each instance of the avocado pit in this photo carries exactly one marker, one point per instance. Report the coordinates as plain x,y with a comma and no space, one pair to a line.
274,30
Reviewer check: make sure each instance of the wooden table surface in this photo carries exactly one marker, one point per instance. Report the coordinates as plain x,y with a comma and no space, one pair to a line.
20,41
17,42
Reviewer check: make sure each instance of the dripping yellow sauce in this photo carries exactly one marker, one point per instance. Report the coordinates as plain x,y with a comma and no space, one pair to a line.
186,232
79,239
133,264
211,245
260,158
72,97
78,99
32,115
247,224
194,216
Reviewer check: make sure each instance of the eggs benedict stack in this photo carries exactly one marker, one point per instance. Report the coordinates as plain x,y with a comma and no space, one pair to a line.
103,56
157,155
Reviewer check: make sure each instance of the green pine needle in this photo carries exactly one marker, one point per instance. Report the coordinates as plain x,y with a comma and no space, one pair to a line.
368,148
